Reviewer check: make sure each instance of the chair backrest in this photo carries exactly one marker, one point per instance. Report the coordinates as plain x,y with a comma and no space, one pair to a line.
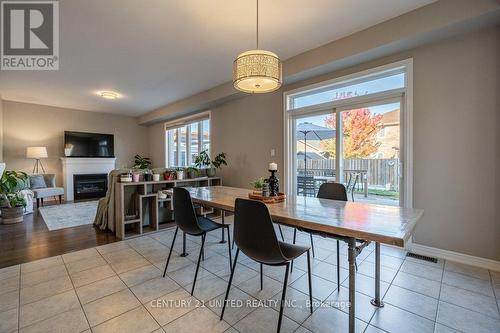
184,213
254,232
332,191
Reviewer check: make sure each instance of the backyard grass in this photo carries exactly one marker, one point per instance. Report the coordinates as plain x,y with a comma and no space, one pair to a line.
383,193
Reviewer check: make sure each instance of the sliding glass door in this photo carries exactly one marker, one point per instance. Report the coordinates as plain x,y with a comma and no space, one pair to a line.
370,153
358,138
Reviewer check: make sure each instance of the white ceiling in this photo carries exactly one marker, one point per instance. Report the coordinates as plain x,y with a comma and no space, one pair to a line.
155,52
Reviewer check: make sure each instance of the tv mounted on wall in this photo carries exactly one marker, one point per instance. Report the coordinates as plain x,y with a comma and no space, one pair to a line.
81,144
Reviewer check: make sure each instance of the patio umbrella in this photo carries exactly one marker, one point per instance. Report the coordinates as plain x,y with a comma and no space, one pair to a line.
313,132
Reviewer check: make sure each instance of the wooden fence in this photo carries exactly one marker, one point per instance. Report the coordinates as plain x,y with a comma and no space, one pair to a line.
380,172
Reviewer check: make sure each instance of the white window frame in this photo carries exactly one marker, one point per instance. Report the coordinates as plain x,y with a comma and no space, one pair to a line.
404,95
186,121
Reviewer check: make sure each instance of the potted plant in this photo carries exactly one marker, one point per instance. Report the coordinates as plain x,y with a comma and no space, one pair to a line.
192,172
257,185
179,172
203,160
142,162
13,203
168,175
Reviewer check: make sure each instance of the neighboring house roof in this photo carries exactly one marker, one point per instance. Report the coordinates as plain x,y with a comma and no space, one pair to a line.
390,118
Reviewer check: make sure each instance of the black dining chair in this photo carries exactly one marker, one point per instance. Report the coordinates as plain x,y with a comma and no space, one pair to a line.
186,219
334,191
255,237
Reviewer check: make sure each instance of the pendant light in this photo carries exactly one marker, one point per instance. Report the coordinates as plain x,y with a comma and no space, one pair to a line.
257,71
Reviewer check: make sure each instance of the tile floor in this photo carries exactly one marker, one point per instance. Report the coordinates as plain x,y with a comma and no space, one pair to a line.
118,288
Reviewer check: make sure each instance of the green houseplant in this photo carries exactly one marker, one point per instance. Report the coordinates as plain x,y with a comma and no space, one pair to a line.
211,165
142,162
192,172
13,202
257,185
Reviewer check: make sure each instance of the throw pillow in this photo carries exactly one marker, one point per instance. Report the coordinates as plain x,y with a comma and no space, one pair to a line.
37,181
50,180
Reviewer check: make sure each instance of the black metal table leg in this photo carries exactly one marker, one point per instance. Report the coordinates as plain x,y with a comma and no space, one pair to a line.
223,214
352,282
184,253
376,301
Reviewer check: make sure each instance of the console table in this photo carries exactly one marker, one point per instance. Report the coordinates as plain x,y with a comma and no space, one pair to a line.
138,210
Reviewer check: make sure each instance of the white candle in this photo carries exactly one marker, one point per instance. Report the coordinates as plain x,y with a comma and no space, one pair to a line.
273,166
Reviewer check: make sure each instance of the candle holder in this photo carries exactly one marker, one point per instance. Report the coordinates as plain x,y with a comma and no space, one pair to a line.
273,182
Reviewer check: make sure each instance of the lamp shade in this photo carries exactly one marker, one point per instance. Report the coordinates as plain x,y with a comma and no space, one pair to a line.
257,71
36,152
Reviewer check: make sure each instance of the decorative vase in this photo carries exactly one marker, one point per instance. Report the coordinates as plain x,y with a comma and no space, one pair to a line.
211,172
12,215
156,177
180,174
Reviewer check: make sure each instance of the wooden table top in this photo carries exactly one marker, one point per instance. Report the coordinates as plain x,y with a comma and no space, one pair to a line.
383,224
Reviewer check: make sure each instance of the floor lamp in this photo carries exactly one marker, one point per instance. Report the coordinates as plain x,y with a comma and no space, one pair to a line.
37,153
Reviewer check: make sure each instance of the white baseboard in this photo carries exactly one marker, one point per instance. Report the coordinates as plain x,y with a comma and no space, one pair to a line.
455,256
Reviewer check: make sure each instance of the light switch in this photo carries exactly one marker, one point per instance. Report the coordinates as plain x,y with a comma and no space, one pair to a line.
273,152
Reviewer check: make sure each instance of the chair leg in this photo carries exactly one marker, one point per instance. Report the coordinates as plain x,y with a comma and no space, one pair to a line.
310,279
198,264
261,277
294,238
229,283
285,283
281,233
41,199
312,243
170,252
338,265
229,246
37,203
60,199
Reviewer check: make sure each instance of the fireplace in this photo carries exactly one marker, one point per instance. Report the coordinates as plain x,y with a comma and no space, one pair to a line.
90,186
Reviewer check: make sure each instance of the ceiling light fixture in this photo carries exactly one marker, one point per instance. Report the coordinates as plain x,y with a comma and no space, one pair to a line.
109,94
257,71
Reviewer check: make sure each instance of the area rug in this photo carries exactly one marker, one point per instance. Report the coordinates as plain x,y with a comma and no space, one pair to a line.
68,215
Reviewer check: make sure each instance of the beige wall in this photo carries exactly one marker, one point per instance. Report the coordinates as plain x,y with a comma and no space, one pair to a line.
157,144
456,144
36,125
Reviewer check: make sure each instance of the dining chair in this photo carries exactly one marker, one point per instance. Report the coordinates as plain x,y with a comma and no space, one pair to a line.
186,219
255,236
334,191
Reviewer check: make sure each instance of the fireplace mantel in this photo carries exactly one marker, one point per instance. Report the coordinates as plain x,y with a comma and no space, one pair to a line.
81,166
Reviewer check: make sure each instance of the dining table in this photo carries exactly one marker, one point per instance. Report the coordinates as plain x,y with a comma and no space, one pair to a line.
357,224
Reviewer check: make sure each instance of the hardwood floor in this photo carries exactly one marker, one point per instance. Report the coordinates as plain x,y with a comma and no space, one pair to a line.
31,240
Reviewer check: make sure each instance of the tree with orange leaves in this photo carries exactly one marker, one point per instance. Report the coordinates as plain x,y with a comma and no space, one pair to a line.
360,128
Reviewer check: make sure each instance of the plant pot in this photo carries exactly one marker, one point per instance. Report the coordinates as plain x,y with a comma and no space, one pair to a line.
148,177
136,177
12,215
211,172
180,175
257,191
192,174
156,177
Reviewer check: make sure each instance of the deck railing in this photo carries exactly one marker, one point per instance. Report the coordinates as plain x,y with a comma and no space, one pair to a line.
381,172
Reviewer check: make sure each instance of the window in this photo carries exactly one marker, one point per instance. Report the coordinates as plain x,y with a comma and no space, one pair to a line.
348,130
186,138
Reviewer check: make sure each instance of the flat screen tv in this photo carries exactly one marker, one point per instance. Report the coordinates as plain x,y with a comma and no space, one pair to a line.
81,144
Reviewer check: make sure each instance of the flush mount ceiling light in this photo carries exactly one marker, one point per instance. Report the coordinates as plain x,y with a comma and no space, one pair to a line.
257,71
109,94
